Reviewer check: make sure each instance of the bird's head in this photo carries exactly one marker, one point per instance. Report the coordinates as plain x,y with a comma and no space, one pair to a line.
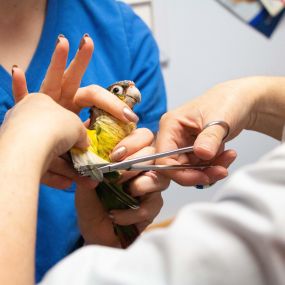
126,91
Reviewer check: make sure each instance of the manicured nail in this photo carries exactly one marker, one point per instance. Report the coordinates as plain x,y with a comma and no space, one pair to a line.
58,38
14,66
83,41
130,115
204,186
118,153
200,187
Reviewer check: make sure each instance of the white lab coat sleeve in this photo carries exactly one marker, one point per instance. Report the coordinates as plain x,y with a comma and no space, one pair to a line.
239,239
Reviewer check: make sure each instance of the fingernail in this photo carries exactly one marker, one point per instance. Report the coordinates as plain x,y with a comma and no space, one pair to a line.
206,146
200,187
204,186
14,66
58,38
111,216
118,153
153,175
130,115
83,41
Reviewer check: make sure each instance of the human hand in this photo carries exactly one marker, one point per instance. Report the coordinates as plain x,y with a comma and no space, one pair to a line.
232,102
30,122
95,223
63,86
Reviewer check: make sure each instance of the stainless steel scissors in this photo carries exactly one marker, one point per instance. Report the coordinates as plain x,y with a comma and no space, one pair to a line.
98,170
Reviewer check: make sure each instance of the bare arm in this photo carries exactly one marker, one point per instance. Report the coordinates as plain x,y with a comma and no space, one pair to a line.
29,138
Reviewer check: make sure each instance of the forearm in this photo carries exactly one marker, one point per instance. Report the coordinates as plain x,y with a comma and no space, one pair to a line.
268,114
20,171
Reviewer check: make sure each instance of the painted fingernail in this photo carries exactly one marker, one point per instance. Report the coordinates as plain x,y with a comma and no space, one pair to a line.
130,115
14,66
118,153
83,41
200,187
204,186
58,38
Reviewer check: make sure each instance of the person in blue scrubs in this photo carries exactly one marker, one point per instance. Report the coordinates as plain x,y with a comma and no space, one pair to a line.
124,49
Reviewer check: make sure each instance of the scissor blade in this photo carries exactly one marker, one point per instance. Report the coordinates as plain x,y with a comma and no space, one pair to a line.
125,165
89,172
167,167
92,171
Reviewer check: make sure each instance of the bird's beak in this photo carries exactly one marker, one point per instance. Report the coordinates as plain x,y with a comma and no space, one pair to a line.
134,93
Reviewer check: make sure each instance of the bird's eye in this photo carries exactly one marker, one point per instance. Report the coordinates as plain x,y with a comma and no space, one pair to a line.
117,90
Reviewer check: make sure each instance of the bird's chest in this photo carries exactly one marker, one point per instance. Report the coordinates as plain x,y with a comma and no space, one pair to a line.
110,132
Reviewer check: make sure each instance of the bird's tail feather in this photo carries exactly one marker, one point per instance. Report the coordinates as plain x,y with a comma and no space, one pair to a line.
126,234
113,197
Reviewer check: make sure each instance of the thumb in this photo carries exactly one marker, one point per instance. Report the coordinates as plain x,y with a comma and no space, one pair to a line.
83,141
209,141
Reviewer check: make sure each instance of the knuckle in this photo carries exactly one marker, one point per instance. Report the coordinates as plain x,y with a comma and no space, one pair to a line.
148,133
167,117
143,214
95,88
137,188
149,150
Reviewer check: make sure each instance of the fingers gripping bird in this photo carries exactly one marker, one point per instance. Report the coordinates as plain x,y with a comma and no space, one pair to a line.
104,133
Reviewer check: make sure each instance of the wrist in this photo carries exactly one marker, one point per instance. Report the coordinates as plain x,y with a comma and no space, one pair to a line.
268,113
23,148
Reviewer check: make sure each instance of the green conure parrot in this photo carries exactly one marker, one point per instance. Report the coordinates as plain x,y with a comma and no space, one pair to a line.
104,133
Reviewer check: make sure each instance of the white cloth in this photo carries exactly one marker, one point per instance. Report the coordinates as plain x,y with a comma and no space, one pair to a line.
239,239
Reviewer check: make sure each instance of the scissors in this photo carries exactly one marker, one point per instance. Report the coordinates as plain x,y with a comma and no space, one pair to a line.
98,170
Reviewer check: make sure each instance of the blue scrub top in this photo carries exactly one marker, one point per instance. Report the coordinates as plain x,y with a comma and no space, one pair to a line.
124,49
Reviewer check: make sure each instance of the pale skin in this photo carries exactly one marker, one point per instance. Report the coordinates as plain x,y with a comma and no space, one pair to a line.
22,165
24,20
254,103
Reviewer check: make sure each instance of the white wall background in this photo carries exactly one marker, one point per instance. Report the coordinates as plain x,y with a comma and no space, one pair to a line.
206,45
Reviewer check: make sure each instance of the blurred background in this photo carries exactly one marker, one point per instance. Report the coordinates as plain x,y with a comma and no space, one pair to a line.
203,44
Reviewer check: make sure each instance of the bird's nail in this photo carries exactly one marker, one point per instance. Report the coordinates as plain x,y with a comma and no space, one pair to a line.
130,115
58,38
118,153
83,41
13,67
